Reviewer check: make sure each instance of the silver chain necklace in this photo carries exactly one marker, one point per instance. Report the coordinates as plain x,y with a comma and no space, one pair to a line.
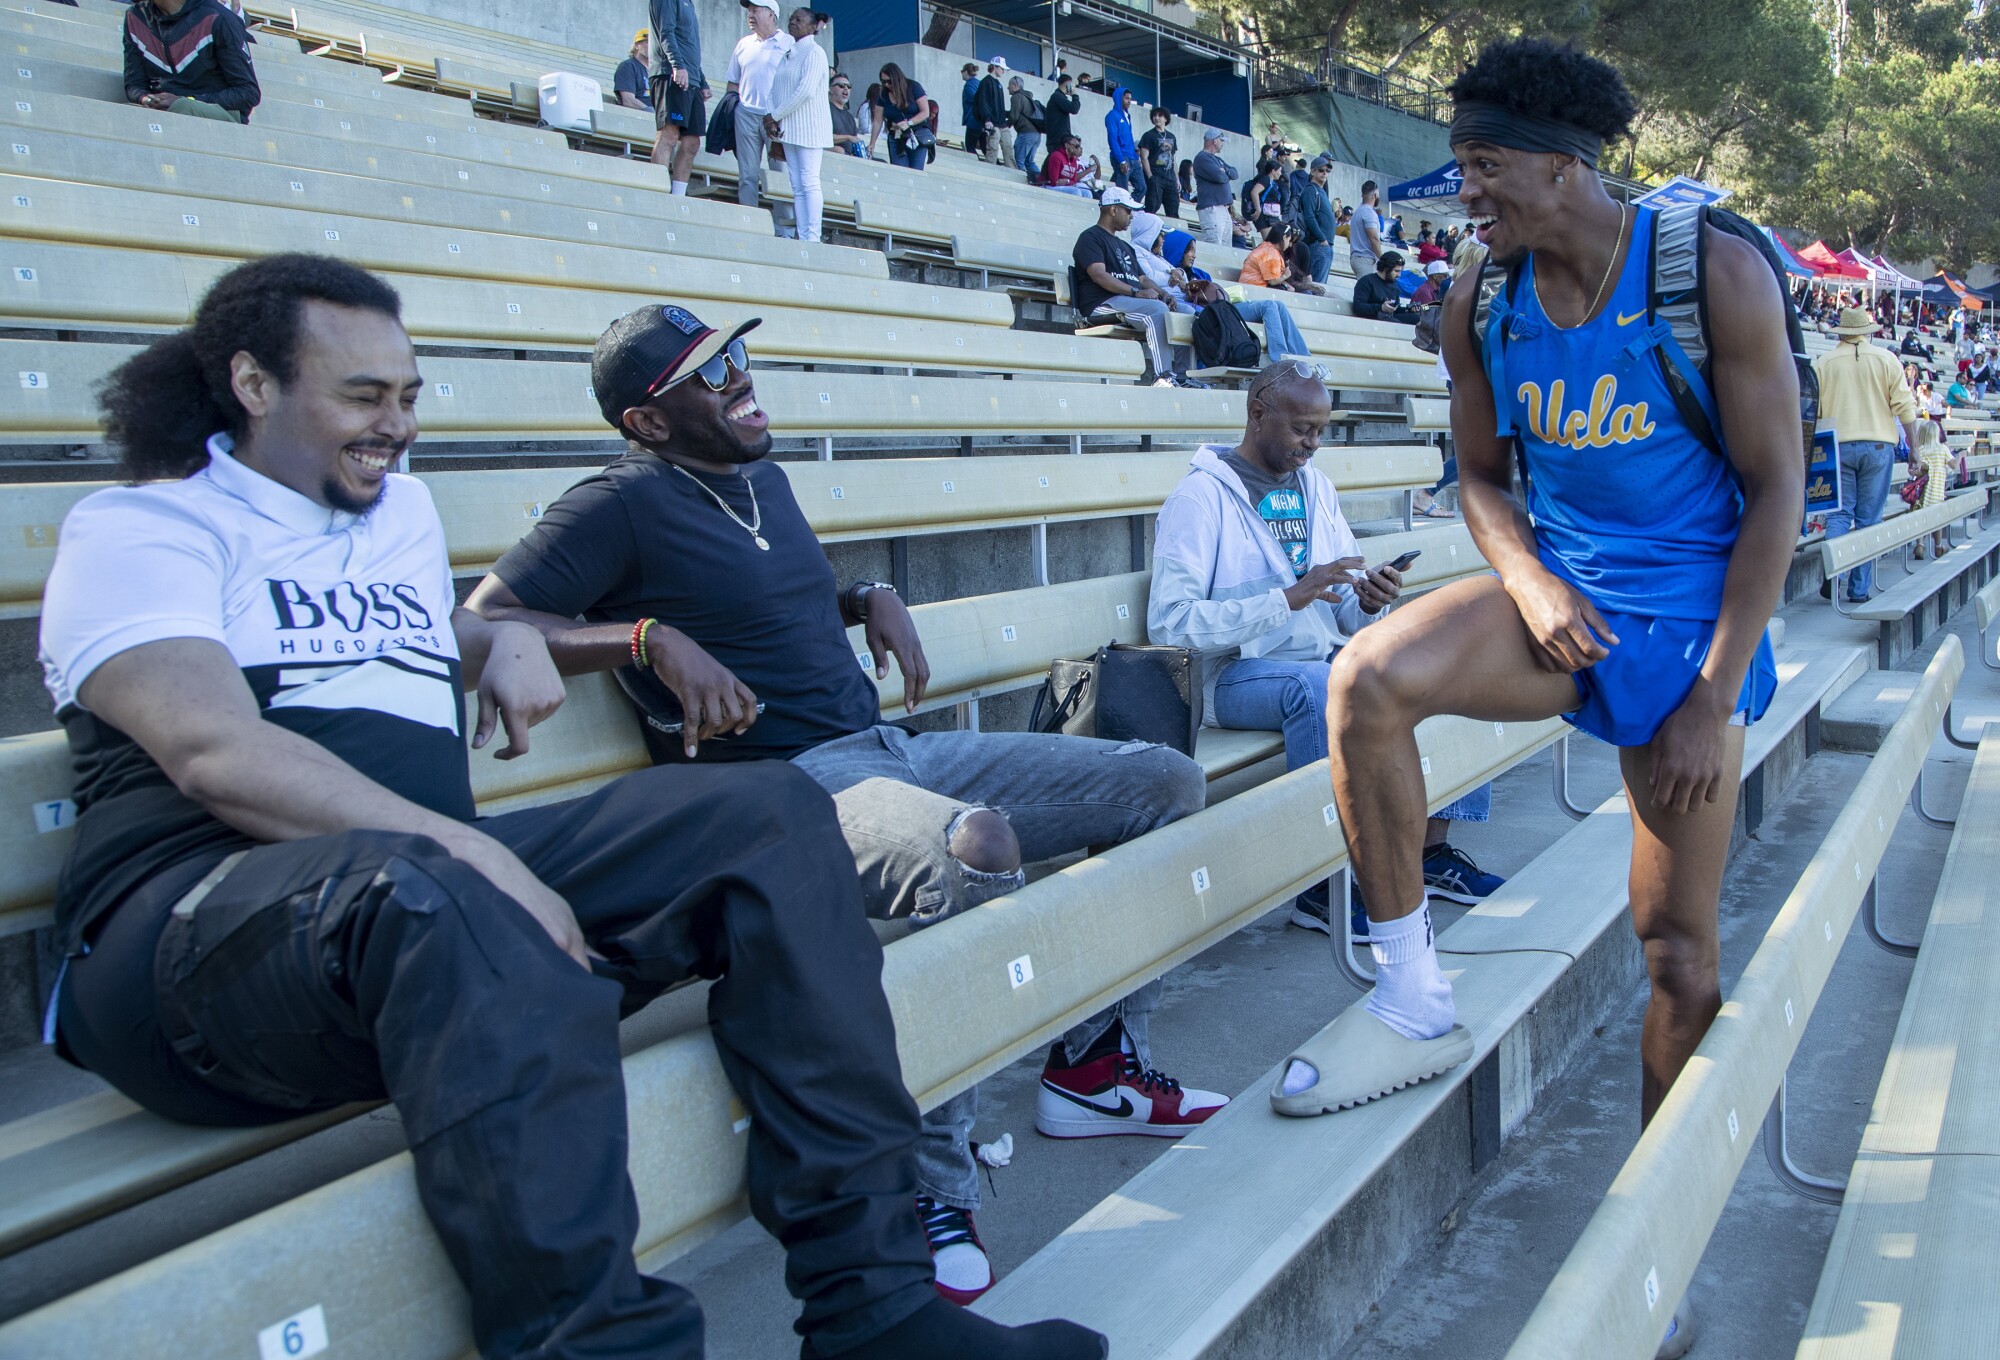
756,511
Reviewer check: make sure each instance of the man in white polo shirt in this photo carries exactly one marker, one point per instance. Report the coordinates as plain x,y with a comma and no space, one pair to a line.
280,898
753,68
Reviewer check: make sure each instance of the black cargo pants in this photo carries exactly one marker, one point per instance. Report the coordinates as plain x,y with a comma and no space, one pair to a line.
372,964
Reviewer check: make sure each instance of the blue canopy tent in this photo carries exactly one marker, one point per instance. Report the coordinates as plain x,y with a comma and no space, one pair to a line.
1441,183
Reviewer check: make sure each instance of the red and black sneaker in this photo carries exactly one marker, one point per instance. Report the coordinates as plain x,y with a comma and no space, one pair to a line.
957,1255
1110,1093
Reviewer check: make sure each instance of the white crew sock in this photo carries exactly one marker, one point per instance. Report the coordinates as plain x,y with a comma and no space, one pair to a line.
1411,994
680,188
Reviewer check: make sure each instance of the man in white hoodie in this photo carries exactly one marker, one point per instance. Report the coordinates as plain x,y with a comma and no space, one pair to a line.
1253,554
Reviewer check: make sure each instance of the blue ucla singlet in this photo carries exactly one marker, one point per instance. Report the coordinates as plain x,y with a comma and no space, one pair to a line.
1629,506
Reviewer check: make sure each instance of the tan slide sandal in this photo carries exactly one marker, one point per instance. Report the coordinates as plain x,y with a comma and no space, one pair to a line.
1359,1059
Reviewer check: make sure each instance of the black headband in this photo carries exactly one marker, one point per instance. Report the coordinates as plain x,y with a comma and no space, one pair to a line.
1473,121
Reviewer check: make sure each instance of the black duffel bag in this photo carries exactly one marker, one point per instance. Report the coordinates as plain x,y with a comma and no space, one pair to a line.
1125,693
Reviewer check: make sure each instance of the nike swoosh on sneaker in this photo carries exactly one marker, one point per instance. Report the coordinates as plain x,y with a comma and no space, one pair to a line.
1122,1110
1624,320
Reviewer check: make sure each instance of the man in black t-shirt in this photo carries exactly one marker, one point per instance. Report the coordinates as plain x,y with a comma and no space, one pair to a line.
1378,296
688,567
1159,151
1107,278
280,898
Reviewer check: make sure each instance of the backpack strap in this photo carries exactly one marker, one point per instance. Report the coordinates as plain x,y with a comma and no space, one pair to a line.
1493,320
1676,318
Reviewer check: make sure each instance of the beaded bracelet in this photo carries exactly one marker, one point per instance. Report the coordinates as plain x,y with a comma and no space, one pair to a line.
639,643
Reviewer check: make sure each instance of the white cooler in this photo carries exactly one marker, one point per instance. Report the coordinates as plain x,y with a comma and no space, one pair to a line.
569,99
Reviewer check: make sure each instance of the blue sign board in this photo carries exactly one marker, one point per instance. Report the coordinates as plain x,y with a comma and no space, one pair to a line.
1440,183
1823,474
1682,189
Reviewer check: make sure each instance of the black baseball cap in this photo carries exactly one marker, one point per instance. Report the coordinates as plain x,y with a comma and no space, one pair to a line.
644,350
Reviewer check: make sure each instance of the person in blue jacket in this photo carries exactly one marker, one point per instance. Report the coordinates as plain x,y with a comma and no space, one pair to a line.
1118,133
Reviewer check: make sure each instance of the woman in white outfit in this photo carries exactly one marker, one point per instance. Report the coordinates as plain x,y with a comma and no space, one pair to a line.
802,119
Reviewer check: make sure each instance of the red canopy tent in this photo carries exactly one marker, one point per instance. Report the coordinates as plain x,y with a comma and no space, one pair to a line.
1821,257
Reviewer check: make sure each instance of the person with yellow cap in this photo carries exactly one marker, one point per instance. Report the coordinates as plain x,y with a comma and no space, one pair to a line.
629,84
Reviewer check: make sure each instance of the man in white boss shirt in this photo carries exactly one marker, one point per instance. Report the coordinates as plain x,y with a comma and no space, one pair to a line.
280,898
753,67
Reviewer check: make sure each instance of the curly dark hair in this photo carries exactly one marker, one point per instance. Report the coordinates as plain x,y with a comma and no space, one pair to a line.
1550,80
162,404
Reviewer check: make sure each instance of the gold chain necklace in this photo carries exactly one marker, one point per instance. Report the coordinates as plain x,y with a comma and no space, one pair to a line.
756,511
1617,247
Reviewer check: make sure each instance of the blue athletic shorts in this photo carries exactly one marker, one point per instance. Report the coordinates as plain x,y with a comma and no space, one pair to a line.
1629,694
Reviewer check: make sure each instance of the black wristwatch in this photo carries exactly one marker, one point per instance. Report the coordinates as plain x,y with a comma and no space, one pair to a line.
855,598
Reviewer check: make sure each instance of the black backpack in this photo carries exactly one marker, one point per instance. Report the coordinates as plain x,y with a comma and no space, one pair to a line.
1677,320
1038,115
1221,340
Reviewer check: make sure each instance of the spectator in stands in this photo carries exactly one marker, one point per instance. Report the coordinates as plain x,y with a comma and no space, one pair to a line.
1245,235
1213,177
975,131
1266,266
1957,397
1253,555
1281,332
1437,278
689,569
630,82
1395,234
1065,168
1108,278
1148,234
281,898
1122,150
1316,219
1021,117
1364,236
1298,262
1429,251
801,120
848,138
1978,375
1379,296
1158,150
1064,103
1862,396
1276,145
1185,179
190,56
753,67
906,112
1914,345
1937,461
1093,177
1267,197
679,89
989,105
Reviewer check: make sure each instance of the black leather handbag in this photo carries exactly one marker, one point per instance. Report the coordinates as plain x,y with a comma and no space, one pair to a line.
1125,693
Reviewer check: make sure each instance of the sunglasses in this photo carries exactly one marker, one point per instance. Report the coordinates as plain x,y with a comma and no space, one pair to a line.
715,372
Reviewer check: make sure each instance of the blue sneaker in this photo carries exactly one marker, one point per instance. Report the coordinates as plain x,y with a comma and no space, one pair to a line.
1450,873
1313,910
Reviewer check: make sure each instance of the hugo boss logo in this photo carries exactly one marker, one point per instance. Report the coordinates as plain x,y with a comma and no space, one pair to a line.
347,607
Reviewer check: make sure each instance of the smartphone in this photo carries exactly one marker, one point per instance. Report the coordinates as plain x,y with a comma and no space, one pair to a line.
659,726
1403,563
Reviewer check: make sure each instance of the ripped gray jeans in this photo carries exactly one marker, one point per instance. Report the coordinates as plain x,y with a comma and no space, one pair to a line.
900,797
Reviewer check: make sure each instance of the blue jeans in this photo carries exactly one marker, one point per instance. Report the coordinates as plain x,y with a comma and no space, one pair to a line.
1074,190
1864,484
899,799
1450,471
1321,255
914,156
1026,144
1281,333
1255,694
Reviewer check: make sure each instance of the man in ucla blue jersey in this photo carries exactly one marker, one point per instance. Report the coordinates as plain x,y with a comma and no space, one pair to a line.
1630,594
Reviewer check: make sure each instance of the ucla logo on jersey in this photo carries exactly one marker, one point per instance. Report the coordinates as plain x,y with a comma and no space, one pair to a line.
1605,423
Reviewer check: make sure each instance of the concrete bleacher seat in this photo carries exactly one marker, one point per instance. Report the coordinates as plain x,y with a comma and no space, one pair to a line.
1618,1287
1906,1274
71,286
505,399
1900,609
1237,1222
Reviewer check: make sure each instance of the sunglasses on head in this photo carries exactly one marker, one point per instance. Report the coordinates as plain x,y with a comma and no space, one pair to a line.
715,372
